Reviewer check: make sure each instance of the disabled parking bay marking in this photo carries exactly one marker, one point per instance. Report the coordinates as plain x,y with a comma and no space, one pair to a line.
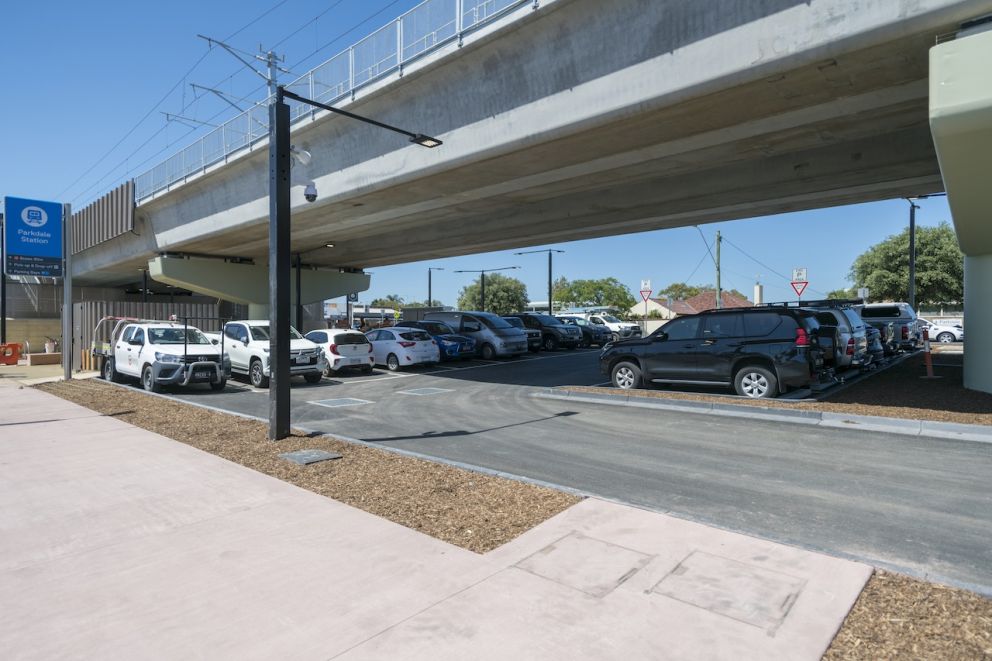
423,391
340,402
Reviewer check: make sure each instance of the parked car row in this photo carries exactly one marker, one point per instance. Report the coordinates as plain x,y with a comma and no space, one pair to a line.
762,351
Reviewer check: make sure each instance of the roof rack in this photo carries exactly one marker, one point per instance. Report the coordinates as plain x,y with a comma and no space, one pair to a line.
819,303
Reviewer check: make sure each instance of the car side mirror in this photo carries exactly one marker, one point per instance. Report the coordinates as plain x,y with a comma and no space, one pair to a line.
660,337
214,342
137,343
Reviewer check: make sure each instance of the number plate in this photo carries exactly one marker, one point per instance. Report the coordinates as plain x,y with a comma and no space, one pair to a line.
303,360
202,375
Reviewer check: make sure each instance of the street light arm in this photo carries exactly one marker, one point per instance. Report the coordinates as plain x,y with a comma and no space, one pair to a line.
419,138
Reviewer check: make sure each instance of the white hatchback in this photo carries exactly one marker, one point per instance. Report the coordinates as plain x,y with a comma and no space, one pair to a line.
343,349
401,346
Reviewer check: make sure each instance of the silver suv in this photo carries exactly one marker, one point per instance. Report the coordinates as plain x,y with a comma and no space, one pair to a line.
853,348
905,324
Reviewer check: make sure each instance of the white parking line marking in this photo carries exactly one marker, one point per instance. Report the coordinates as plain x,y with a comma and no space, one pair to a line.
424,391
378,378
340,402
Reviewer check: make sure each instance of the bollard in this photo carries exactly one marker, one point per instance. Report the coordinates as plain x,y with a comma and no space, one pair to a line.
927,359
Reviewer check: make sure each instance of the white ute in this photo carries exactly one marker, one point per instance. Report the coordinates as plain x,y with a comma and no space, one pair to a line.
620,330
247,343
164,353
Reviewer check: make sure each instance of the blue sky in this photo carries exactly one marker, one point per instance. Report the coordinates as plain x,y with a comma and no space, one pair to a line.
89,83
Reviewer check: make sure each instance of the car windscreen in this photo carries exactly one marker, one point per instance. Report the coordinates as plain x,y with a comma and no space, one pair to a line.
176,336
515,321
882,312
545,320
415,336
262,333
610,319
350,338
826,319
493,321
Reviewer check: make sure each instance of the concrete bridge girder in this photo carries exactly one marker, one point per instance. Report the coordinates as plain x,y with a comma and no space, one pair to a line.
961,122
249,283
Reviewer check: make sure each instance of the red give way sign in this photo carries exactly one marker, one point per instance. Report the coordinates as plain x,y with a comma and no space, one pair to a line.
799,286
645,294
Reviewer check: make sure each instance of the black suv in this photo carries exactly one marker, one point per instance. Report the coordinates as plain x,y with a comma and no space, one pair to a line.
554,334
761,352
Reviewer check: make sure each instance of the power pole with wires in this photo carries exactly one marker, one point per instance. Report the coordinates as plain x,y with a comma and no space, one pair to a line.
719,291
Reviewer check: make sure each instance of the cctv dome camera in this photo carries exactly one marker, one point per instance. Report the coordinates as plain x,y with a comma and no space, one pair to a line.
310,192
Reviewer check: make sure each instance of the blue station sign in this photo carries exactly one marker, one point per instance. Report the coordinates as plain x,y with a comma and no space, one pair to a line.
32,241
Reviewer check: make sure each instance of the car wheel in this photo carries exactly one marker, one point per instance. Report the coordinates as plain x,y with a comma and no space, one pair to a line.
615,337
755,382
148,379
110,372
217,386
313,377
327,371
945,338
257,376
550,343
392,362
488,352
626,376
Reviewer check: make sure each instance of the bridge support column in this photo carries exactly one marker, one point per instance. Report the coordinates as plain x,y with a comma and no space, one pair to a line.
978,317
249,283
961,124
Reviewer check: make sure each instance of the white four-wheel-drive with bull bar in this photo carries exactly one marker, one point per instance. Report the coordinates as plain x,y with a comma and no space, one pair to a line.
160,353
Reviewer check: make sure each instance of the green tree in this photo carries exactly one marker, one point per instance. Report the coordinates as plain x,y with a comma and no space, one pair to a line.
606,291
424,304
503,295
394,301
850,292
884,268
679,290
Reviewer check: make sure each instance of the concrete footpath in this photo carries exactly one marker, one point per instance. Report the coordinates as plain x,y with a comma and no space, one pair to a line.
119,543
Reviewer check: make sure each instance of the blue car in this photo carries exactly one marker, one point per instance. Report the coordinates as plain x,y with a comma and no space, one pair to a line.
452,345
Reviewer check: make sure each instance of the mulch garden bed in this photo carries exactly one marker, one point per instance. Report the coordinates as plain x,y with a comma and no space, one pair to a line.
897,392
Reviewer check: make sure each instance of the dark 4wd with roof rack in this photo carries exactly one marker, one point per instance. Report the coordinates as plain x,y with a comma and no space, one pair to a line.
761,352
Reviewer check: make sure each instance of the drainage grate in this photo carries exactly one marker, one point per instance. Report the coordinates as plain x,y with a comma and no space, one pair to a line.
424,391
304,457
340,402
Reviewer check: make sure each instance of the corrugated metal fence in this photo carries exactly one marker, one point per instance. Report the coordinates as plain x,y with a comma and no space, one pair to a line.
104,219
86,315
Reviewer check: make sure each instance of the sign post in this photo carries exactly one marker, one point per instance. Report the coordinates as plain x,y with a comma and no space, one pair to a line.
645,294
36,241
799,282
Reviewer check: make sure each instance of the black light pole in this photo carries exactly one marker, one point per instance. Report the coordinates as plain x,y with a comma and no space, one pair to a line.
144,290
483,280
279,245
550,251
911,292
430,296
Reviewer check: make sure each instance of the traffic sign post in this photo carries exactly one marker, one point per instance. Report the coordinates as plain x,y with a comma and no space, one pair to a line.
799,281
645,294
799,286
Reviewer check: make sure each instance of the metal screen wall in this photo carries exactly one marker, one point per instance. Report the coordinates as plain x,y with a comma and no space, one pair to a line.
104,219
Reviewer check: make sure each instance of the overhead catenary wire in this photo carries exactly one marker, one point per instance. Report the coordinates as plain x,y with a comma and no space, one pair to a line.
179,83
182,81
763,265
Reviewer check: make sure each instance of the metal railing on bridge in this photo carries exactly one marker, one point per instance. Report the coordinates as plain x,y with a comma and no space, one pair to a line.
421,30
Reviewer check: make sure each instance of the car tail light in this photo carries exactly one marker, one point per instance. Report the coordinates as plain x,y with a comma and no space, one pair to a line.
905,332
370,347
407,345
333,348
802,338
850,346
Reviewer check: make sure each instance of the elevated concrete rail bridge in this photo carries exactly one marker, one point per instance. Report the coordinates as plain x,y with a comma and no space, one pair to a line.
571,119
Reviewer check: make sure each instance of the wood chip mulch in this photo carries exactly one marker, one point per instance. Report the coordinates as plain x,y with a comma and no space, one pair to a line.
897,392
472,510
898,617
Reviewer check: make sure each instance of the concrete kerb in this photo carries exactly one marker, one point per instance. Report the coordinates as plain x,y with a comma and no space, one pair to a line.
902,426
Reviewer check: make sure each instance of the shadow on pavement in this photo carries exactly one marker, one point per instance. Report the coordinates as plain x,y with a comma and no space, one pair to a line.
463,432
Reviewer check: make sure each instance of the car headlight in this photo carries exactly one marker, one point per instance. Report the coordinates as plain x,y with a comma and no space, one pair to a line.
166,358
